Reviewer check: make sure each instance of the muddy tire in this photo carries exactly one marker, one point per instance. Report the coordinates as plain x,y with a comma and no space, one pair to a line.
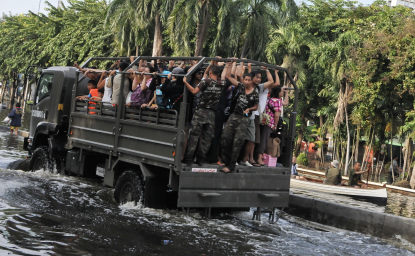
129,188
41,160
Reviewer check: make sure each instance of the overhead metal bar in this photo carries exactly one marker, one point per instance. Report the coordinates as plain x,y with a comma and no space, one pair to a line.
103,58
134,62
202,62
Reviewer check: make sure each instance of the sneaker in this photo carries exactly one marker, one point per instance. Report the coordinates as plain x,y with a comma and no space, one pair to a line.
236,164
246,163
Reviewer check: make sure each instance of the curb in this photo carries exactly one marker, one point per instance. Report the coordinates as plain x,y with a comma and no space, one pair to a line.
377,224
20,133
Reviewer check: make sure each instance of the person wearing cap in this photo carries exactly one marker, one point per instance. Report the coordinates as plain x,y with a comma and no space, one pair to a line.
173,88
333,174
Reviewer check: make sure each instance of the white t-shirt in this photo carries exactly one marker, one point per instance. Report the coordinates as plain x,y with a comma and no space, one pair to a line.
263,96
107,92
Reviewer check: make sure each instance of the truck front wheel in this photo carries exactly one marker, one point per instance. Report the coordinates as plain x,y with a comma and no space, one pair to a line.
129,188
41,160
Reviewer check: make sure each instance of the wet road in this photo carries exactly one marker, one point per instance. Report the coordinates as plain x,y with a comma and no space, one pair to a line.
49,214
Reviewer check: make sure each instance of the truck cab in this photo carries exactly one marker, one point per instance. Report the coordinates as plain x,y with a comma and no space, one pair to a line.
51,110
138,152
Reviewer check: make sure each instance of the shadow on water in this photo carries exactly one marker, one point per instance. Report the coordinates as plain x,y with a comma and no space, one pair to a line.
49,214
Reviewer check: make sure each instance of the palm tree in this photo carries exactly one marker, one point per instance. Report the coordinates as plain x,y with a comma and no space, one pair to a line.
261,16
132,19
292,44
192,18
334,58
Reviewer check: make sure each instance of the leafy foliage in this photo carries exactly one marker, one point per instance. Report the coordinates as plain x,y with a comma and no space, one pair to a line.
302,159
62,37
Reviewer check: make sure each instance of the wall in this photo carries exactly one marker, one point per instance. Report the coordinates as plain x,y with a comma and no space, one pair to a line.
351,218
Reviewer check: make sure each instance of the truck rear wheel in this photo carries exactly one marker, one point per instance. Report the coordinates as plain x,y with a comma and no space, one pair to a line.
41,160
129,188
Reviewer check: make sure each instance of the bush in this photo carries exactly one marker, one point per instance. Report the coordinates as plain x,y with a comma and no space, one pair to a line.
403,184
302,159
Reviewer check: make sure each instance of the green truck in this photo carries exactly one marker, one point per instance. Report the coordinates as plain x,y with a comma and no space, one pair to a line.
138,152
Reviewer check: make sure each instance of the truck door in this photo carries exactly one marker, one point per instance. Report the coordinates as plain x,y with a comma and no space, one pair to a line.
41,103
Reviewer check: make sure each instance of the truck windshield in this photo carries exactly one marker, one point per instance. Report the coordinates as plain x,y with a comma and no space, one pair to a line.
45,85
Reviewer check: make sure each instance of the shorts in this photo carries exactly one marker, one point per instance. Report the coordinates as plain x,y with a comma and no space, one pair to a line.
13,127
257,130
250,131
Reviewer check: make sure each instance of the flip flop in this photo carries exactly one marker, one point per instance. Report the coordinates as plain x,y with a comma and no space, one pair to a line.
255,164
219,163
264,165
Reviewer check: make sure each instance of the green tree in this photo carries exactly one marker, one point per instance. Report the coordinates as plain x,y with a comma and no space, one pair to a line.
131,21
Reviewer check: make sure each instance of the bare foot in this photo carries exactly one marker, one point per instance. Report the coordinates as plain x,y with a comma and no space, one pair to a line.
226,170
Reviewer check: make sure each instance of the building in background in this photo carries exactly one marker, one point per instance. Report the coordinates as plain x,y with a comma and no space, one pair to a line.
406,3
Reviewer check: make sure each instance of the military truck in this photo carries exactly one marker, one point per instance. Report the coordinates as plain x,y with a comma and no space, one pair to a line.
138,151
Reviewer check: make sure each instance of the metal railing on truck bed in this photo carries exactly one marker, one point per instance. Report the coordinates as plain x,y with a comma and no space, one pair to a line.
155,136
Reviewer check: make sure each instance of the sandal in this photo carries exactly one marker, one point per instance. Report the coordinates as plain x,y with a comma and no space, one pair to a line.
255,164
219,163
264,165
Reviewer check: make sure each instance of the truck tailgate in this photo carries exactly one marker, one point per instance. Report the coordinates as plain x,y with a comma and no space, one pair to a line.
234,189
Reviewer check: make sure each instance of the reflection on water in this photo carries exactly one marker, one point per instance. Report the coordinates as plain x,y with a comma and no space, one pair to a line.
50,214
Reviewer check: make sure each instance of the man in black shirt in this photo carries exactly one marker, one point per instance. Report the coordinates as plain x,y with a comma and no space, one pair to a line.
203,122
234,133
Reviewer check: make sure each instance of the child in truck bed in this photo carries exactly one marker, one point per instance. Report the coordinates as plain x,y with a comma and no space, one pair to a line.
16,117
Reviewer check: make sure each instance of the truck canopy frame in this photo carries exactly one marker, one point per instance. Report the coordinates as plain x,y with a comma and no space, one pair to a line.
175,120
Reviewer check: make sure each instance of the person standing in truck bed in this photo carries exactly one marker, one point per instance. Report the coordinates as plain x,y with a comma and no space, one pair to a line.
235,129
16,117
203,122
115,84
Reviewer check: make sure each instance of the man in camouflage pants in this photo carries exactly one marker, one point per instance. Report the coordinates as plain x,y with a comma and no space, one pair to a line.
233,135
203,122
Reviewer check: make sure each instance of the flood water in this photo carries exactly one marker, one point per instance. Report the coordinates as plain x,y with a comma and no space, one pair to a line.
50,214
